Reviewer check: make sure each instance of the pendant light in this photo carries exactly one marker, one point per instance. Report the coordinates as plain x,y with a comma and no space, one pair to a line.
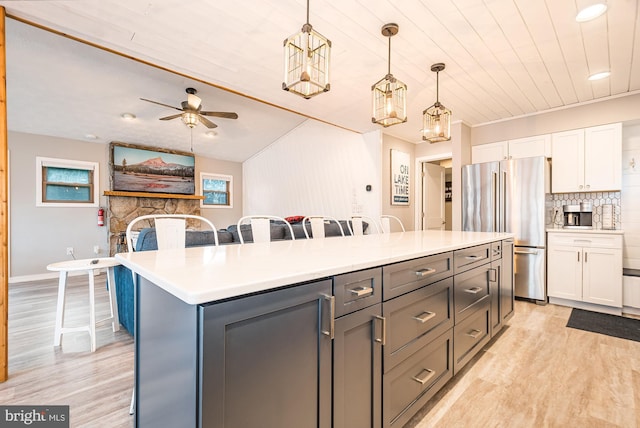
306,62
436,120
389,94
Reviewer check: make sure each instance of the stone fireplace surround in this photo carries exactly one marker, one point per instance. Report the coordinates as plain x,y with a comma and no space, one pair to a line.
123,209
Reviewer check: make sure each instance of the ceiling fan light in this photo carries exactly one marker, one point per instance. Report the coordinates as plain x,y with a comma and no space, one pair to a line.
591,12
306,62
389,95
599,76
190,119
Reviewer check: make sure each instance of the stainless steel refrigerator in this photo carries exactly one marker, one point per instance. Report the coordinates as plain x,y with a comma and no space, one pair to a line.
509,196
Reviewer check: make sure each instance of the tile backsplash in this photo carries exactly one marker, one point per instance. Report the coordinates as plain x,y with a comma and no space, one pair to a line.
555,202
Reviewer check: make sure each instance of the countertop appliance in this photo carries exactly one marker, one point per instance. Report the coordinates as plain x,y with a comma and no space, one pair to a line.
509,196
578,216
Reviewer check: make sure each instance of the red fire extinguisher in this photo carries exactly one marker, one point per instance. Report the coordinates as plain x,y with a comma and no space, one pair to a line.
100,216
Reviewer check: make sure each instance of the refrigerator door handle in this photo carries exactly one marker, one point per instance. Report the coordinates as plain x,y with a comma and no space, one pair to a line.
494,198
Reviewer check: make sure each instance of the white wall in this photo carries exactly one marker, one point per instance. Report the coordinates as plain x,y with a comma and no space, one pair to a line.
315,169
630,208
40,235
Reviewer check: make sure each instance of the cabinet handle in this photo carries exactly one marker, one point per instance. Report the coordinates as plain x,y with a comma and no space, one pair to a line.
588,186
582,240
383,339
585,256
532,252
493,275
332,318
578,255
424,272
424,376
474,290
472,257
580,186
362,291
424,317
474,333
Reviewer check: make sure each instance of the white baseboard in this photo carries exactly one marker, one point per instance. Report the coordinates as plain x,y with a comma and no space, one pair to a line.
586,306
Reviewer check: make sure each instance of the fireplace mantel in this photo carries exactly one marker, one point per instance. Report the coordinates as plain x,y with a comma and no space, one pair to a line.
151,195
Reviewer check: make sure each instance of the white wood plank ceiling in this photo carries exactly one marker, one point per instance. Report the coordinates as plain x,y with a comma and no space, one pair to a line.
504,58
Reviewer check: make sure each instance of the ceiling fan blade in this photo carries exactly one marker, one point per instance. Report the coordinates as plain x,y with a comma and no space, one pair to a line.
173,116
223,114
161,104
193,101
206,122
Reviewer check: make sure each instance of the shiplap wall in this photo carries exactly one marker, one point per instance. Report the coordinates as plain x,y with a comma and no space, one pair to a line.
315,169
631,195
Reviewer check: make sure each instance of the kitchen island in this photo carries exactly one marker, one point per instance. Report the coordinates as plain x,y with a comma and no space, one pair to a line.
344,332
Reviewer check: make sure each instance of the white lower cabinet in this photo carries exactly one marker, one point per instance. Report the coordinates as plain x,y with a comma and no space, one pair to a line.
585,270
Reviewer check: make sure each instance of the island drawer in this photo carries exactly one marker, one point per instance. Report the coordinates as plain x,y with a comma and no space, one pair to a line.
469,290
496,250
357,290
412,383
401,278
471,335
468,258
415,319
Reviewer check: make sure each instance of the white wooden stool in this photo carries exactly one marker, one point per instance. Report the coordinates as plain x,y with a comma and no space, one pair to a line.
85,265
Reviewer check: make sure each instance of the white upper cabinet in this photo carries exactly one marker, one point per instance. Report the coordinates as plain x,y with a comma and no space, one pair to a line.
587,160
539,145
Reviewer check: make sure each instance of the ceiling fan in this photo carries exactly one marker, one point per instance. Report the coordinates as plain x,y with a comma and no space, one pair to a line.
192,111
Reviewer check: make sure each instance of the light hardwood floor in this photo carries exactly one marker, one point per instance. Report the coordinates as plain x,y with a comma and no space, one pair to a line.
537,374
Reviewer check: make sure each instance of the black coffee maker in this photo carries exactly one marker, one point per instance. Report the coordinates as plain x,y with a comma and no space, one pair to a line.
578,216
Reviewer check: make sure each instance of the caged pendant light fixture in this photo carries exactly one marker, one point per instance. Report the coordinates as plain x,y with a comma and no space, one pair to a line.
306,62
389,94
436,120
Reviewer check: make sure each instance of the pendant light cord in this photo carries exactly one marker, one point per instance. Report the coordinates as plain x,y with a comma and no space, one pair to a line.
307,12
389,57
437,86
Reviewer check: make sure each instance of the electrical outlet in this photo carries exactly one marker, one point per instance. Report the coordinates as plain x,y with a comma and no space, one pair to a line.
69,251
96,249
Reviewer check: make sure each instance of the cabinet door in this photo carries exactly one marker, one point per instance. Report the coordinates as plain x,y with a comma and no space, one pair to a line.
357,369
489,152
602,276
539,145
564,274
263,352
495,278
568,161
507,292
602,158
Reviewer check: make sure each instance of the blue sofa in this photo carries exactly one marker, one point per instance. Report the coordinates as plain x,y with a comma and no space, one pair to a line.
195,238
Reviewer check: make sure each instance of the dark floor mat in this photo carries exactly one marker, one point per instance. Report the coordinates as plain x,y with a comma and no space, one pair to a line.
611,325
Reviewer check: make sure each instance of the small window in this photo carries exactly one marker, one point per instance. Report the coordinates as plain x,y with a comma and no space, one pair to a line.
217,190
66,183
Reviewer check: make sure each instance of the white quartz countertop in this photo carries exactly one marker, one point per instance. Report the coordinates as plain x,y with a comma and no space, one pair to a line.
597,231
205,274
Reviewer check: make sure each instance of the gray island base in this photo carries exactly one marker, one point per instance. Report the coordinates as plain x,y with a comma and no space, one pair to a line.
342,332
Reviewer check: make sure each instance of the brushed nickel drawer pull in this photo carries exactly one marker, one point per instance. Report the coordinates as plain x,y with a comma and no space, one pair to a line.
383,340
424,317
332,317
362,291
474,290
424,376
474,333
425,272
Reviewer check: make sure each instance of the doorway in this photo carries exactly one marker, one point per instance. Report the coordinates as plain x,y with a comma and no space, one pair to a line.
433,210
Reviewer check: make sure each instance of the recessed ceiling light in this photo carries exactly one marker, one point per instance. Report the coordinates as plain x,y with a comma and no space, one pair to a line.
211,134
128,116
591,12
91,137
601,75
